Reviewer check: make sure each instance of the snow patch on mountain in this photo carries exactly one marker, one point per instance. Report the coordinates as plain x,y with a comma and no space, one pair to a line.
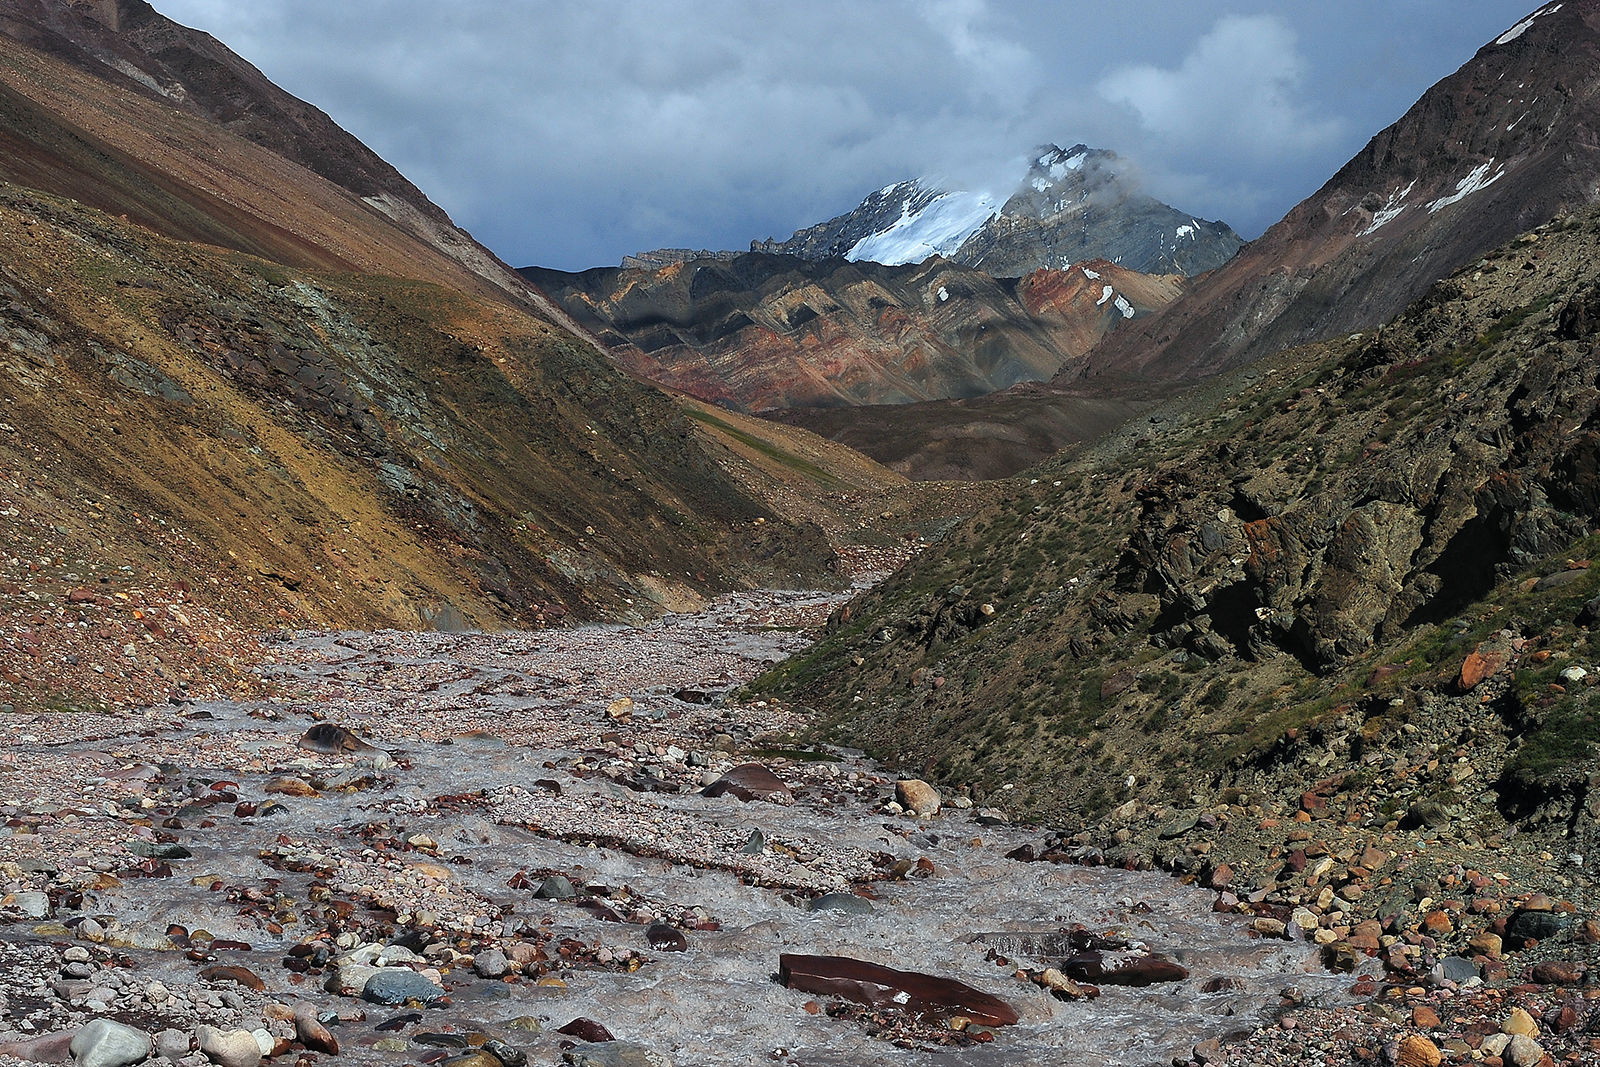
939,228
1390,211
1522,27
1478,179
1122,305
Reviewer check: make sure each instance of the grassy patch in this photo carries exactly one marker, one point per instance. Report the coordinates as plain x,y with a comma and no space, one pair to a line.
795,463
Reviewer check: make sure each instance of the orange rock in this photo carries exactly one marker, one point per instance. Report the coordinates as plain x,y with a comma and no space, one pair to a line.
1479,665
1417,1051
1424,1017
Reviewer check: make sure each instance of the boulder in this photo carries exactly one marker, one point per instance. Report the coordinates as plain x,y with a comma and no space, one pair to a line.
228,1048
396,985
310,1032
917,796
666,938
47,1048
107,1043
491,963
330,739
586,1030
1415,1050
847,903
748,782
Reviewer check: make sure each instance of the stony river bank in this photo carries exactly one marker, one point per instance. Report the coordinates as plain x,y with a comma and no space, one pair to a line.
515,832
569,847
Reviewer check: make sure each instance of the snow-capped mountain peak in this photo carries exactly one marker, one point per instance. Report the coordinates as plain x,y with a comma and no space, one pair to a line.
1068,207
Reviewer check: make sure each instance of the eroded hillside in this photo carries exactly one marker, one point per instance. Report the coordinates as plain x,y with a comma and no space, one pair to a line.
337,450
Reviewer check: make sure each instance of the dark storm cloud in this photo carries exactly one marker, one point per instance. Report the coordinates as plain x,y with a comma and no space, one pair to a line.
570,134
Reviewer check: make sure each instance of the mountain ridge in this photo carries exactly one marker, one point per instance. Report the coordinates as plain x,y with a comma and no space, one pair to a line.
1507,142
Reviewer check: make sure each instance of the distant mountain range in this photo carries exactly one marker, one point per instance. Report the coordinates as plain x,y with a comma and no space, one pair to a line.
762,332
920,293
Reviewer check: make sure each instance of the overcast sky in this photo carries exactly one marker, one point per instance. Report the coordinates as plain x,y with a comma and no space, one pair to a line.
567,134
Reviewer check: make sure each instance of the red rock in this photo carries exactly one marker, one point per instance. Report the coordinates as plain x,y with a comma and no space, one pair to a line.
51,1048
238,975
1482,663
1558,972
1437,922
1311,802
1424,1017
1222,877
80,595
313,1035
586,1030
884,987
1564,1018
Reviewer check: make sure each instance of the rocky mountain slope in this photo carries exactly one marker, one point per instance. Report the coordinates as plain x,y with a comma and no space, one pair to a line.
238,395
1072,205
765,332
1350,583
120,108
1506,143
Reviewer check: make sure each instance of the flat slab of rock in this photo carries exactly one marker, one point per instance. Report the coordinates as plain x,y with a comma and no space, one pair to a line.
1122,968
615,1054
877,986
750,781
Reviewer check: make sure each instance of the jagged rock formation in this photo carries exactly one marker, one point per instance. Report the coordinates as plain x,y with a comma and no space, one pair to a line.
1071,206
1506,143
764,332
666,257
